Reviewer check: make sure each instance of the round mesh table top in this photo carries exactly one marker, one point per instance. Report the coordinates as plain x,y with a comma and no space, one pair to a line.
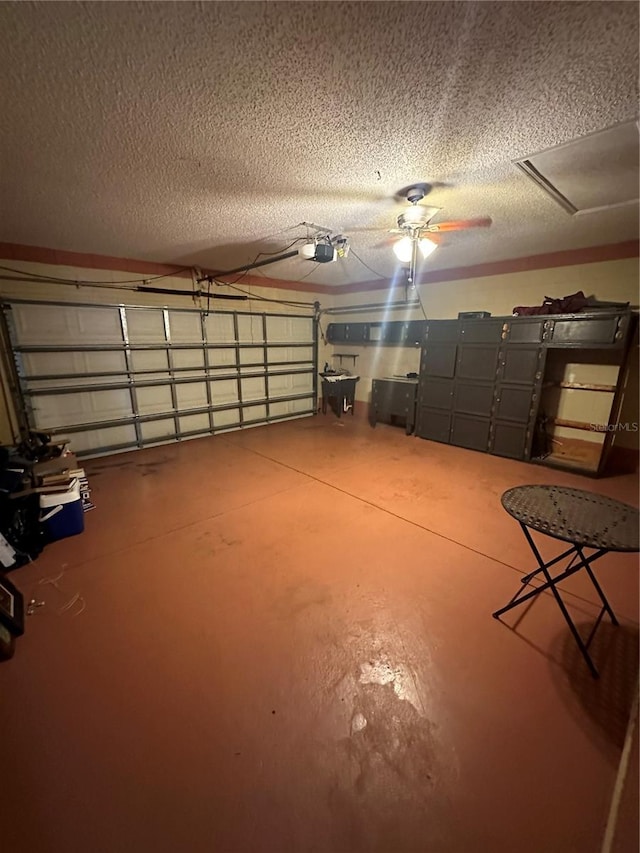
576,516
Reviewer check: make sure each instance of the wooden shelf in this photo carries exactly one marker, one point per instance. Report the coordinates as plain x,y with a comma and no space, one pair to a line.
574,454
581,386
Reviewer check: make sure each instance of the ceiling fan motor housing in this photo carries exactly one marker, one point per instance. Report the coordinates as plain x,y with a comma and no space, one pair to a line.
417,193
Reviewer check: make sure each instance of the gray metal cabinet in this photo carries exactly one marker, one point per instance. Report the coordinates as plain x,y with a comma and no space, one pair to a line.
591,331
473,398
439,360
480,380
393,398
433,416
516,399
476,362
480,331
526,330
434,424
470,431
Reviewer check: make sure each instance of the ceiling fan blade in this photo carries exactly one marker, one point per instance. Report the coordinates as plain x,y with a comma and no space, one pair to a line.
363,230
459,225
384,244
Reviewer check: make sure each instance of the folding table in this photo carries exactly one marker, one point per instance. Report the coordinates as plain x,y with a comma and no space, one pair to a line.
583,519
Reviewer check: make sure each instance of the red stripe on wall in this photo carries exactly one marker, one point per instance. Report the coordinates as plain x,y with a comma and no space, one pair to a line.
570,257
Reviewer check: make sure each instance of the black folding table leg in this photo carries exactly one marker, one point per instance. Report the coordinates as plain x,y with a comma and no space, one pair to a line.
603,598
551,584
555,560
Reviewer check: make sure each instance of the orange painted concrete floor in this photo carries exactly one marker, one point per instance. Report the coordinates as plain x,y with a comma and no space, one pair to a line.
283,642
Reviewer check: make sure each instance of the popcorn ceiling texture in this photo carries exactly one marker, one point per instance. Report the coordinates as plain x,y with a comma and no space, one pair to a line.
205,132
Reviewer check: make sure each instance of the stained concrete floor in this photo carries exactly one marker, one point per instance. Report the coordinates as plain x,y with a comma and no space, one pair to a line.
284,642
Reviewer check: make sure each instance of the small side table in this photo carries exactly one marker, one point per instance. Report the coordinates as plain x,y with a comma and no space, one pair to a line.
582,519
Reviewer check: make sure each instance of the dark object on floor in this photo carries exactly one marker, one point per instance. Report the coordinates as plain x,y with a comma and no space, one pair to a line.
541,446
20,525
7,643
582,519
11,607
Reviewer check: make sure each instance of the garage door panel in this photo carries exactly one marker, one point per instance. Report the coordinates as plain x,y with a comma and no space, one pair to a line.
219,328
223,391
250,328
81,407
222,357
226,418
288,354
191,423
44,325
302,382
286,329
94,349
149,360
253,389
183,358
145,326
154,430
84,442
254,413
65,363
191,395
185,328
298,406
301,329
280,385
251,355
154,400
283,408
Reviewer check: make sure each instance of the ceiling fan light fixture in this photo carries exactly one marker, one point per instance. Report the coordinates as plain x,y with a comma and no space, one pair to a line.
426,246
403,249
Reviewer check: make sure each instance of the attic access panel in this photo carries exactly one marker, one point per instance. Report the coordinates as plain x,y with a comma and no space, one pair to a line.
597,172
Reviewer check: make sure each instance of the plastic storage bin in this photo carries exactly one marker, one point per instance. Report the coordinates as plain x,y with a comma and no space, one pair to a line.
61,513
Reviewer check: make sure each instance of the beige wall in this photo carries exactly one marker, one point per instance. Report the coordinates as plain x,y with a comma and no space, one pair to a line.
10,288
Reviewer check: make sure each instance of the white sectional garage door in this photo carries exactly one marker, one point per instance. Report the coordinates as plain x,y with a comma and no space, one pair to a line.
117,377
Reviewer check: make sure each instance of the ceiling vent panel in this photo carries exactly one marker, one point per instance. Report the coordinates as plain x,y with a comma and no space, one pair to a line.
594,173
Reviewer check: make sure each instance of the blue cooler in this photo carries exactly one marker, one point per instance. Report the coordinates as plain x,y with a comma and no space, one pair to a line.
61,513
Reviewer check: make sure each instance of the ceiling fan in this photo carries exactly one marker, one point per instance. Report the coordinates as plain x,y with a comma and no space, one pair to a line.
415,224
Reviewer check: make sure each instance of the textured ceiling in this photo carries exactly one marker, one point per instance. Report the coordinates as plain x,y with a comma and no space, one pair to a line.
205,132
